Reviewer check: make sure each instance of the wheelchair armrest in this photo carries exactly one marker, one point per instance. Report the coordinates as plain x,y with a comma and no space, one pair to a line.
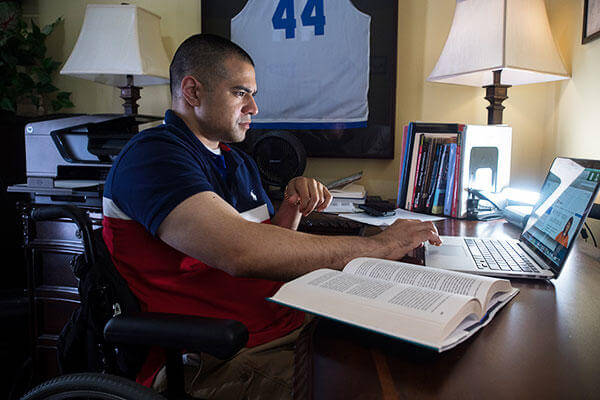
221,338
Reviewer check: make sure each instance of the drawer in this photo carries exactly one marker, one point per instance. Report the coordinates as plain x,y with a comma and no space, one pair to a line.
53,314
53,268
58,231
61,232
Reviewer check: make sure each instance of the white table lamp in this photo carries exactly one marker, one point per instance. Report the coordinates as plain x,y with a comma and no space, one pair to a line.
496,44
120,45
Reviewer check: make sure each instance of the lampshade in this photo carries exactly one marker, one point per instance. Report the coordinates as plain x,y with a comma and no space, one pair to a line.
116,41
509,35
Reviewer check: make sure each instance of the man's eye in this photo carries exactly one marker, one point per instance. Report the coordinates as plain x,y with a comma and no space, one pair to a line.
240,93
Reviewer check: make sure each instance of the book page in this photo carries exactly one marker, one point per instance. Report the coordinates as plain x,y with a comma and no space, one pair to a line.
361,295
471,325
424,277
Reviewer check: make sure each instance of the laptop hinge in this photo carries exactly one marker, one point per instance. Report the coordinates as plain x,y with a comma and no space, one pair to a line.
538,260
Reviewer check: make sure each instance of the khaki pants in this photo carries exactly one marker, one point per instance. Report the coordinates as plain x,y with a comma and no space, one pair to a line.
261,372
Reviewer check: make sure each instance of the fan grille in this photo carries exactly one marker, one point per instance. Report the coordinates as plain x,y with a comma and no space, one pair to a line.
279,156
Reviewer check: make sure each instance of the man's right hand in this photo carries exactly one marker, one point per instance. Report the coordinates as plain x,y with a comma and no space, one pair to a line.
405,235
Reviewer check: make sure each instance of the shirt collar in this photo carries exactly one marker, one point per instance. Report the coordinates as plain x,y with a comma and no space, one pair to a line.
172,119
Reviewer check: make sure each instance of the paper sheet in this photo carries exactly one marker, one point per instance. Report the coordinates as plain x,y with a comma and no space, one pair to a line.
74,184
386,221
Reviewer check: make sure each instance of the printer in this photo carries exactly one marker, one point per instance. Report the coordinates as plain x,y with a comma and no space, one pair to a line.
68,159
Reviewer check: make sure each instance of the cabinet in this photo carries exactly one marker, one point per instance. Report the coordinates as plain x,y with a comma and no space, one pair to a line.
50,250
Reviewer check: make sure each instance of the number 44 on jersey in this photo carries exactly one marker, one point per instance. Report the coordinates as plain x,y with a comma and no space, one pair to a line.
312,15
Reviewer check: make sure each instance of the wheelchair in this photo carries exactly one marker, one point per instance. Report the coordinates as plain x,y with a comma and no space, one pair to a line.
172,332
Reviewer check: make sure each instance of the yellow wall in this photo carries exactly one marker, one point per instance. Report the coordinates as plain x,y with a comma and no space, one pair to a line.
576,130
577,121
547,119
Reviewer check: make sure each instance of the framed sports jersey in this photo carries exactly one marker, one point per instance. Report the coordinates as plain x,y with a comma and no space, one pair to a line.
325,70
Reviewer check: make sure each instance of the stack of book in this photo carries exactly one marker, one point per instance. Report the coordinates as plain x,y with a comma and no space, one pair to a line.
346,198
439,162
431,168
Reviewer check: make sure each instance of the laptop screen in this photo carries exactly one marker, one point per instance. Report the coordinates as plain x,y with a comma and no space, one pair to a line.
565,200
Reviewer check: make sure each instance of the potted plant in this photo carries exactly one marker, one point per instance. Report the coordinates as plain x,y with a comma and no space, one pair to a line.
25,69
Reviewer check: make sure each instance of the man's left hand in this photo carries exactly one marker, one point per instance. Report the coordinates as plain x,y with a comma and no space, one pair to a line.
307,195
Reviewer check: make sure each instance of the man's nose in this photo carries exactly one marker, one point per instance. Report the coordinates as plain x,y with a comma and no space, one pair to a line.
250,107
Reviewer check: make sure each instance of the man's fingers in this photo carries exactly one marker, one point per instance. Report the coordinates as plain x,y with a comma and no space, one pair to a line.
314,196
296,192
304,192
426,231
308,194
414,232
327,197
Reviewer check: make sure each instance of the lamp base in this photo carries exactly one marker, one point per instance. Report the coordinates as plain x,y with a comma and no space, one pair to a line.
131,94
496,94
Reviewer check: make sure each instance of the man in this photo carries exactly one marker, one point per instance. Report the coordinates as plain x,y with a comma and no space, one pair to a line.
180,220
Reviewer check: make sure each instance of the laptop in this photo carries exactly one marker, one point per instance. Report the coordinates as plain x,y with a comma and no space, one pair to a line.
547,238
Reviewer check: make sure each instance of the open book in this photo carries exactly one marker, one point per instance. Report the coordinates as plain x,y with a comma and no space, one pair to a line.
431,307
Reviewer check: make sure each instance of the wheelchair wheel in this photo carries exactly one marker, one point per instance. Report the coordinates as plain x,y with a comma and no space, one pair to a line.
91,386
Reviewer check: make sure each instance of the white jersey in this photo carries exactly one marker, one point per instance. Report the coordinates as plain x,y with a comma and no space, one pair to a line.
312,62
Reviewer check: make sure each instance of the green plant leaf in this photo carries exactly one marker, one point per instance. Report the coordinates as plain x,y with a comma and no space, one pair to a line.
10,59
35,29
37,35
26,79
47,88
43,78
63,95
47,30
49,65
61,102
25,70
7,104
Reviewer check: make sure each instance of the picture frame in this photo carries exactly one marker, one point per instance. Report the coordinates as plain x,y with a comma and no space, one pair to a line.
376,141
591,21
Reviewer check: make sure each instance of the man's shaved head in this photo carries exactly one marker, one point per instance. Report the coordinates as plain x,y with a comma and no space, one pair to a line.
203,56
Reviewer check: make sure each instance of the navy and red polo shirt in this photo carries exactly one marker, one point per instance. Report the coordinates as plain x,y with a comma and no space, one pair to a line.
157,170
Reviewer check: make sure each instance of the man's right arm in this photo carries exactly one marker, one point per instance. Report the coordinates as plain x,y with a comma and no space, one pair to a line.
207,228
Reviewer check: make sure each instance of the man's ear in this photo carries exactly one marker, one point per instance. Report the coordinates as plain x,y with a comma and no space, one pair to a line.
191,90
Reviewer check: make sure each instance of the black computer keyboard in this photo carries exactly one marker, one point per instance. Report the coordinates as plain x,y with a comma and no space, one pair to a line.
330,224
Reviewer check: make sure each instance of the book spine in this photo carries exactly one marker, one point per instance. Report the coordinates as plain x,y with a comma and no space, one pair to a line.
403,172
457,176
435,171
427,175
450,180
462,203
421,173
415,146
440,186
416,175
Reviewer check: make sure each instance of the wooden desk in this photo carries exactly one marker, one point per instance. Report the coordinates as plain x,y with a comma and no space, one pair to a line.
544,344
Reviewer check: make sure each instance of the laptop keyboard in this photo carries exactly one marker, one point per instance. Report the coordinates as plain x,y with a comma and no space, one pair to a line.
499,255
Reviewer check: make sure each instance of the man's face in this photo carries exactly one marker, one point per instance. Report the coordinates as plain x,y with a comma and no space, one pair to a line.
226,109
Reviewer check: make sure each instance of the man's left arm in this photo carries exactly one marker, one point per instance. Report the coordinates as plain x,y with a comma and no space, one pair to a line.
301,197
